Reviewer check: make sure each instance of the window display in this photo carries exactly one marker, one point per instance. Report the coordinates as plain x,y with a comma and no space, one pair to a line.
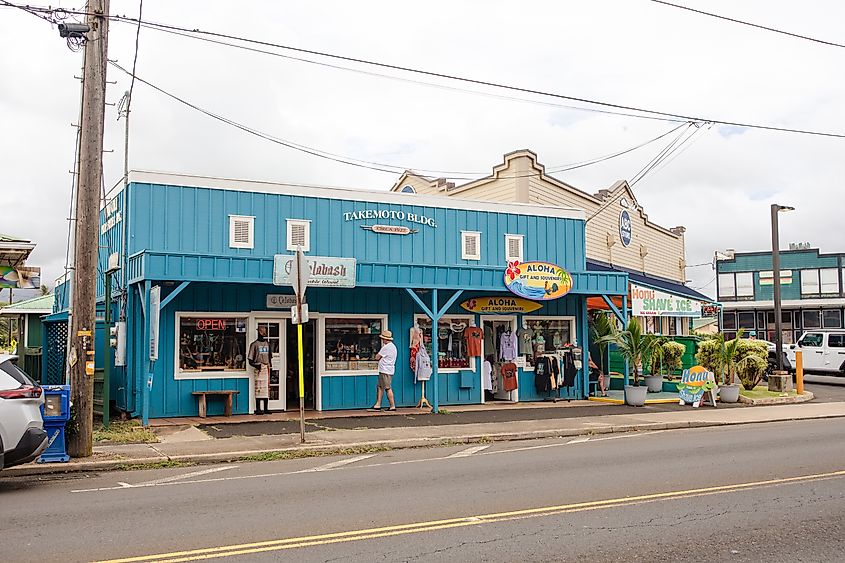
212,344
352,343
544,335
452,344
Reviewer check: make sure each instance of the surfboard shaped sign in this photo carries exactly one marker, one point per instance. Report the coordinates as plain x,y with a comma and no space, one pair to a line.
538,281
499,305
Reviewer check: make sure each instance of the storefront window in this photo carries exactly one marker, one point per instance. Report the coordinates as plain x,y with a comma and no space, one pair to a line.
545,335
452,347
746,320
673,326
212,344
811,319
352,343
729,320
832,318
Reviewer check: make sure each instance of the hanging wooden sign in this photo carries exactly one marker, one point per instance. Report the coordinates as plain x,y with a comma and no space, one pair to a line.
498,305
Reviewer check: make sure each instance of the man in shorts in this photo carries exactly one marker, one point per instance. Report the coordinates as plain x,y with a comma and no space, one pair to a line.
386,368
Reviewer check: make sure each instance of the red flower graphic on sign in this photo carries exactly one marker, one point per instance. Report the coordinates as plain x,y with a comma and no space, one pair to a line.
513,270
471,304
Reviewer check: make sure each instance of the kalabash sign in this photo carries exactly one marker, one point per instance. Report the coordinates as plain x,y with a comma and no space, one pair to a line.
538,281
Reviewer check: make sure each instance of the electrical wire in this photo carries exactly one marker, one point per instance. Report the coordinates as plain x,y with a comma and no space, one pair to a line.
669,154
135,58
478,82
644,170
751,24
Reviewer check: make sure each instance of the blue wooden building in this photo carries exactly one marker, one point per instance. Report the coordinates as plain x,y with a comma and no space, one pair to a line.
204,248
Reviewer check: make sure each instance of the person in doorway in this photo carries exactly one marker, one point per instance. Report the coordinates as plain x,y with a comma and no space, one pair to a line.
259,359
596,375
386,368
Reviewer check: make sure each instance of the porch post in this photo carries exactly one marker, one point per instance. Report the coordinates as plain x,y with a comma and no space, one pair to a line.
435,358
145,357
625,324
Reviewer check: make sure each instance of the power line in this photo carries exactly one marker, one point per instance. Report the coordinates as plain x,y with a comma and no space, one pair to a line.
380,167
135,58
478,82
751,24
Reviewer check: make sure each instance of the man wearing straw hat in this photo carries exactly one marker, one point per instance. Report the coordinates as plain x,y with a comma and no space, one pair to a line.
386,367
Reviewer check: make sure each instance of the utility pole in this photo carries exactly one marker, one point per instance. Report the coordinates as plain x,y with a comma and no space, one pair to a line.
87,240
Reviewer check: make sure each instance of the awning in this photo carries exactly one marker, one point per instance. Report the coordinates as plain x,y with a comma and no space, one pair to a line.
653,282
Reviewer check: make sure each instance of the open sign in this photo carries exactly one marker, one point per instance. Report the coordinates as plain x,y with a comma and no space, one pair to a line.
211,324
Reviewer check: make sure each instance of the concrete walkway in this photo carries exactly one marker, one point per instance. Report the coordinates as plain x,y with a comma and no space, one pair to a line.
191,445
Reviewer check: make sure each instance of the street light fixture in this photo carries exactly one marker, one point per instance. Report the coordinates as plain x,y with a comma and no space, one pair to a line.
776,281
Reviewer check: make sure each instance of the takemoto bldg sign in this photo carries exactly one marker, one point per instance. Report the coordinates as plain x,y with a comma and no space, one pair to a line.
647,302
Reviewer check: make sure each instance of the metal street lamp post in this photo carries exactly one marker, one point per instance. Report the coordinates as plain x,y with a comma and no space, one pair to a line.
776,281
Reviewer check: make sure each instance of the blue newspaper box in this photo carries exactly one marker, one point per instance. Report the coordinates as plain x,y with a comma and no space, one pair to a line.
56,412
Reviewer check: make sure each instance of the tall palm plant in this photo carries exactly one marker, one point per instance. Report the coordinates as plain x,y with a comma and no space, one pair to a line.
728,359
632,345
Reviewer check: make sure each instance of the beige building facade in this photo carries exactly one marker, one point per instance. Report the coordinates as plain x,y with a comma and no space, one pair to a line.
619,233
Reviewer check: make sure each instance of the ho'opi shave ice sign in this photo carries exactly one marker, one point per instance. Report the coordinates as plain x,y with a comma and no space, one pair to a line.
695,382
647,302
539,281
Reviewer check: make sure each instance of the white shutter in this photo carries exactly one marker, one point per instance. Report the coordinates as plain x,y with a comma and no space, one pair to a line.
299,234
470,245
513,248
241,229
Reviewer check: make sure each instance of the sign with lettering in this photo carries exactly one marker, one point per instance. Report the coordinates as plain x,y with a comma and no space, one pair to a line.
626,228
111,216
211,324
695,382
647,302
325,271
540,281
390,229
390,214
500,305
275,301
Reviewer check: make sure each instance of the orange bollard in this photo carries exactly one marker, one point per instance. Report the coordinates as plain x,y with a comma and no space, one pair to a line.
799,372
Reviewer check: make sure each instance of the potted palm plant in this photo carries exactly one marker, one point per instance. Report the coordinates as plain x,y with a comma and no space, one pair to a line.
635,347
654,381
729,391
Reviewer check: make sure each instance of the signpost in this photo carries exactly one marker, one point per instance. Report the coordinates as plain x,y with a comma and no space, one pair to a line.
299,274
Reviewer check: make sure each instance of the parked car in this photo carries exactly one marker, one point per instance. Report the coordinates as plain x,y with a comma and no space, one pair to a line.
823,351
22,435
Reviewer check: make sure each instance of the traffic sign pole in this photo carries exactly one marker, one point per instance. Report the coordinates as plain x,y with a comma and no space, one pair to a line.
301,281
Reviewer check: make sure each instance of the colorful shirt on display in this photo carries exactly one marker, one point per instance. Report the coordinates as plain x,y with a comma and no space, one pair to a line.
509,379
507,346
387,363
259,353
473,337
526,341
423,368
486,376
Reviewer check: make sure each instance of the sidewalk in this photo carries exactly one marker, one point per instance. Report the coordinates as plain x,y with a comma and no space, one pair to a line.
191,444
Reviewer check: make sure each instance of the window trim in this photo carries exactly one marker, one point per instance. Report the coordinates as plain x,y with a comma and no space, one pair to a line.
322,343
721,291
465,235
469,319
178,375
250,219
289,232
521,239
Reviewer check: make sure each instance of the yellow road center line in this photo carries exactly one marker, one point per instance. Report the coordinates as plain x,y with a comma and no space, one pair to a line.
433,525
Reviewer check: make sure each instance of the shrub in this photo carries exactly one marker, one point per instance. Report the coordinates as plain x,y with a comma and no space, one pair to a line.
750,370
672,354
709,355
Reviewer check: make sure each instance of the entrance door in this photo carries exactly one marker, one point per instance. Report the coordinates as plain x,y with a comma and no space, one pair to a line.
275,336
493,327
309,346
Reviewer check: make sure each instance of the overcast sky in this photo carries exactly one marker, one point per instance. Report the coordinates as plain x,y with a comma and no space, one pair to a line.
631,52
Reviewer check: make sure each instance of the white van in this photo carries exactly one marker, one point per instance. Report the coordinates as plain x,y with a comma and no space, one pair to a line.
823,351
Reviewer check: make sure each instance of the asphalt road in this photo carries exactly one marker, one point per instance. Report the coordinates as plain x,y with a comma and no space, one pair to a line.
770,492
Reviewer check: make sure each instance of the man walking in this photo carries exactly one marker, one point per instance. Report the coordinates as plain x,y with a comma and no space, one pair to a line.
386,368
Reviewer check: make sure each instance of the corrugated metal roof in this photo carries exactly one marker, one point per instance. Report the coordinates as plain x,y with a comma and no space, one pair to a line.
651,281
37,305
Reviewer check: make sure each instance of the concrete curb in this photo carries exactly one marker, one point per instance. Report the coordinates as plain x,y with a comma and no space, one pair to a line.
327,449
807,396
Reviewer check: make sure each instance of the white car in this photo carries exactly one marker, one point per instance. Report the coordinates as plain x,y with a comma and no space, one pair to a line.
823,351
22,435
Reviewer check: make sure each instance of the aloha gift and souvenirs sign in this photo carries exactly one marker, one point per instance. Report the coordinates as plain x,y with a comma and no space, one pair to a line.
538,281
499,305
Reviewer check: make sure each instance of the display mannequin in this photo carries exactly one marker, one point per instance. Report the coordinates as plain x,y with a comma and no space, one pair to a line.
259,359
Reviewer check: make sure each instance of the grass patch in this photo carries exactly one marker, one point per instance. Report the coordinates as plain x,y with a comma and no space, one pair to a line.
124,432
165,464
762,392
299,454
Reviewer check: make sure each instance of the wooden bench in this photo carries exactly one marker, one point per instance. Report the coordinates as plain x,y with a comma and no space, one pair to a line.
203,400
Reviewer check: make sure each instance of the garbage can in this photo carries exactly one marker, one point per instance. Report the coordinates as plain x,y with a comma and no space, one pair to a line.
56,412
